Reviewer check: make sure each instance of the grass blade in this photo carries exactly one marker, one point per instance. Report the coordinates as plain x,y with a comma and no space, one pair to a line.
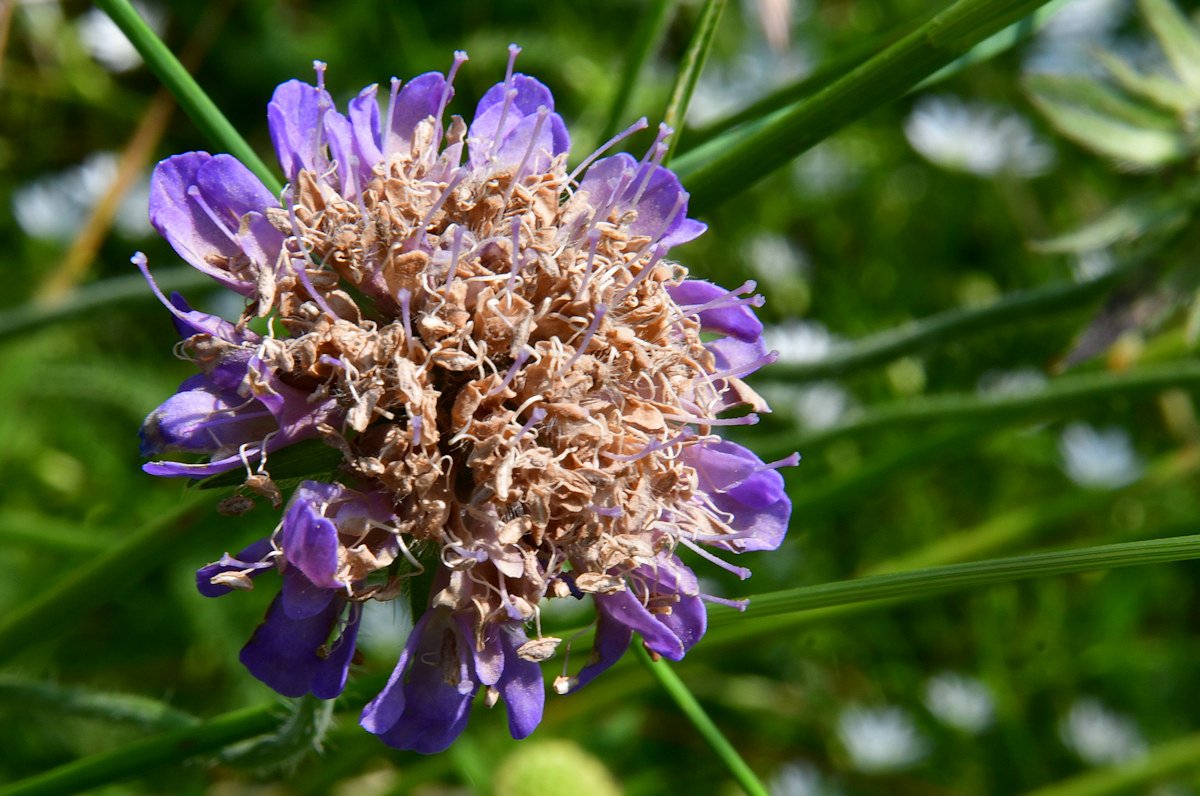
187,91
948,326
141,757
67,602
651,28
96,296
689,71
957,577
1159,763
744,159
1059,394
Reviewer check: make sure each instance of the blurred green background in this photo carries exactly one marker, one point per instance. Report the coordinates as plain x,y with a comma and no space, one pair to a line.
928,205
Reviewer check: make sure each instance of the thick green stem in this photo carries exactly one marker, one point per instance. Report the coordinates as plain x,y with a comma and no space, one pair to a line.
687,703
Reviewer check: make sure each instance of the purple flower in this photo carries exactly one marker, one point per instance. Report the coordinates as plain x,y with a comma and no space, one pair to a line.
522,388
426,702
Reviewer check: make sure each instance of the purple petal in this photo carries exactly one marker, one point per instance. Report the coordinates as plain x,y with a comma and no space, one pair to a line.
417,101
739,484
611,641
203,418
662,206
309,539
364,122
501,135
437,692
683,231
260,240
300,597
522,687
330,678
189,322
382,712
179,216
253,558
688,618
606,178
232,189
531,94
340,136
289,654
736,321
490,661
626,608
294,118
739,357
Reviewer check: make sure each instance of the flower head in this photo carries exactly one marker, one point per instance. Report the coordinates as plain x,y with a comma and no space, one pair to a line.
512,371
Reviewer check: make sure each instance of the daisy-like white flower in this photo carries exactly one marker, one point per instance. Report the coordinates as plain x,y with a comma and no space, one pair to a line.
976,138
511,369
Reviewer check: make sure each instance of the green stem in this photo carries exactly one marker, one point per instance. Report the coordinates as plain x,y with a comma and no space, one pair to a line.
187,92
689,71
1163,761
89,299
652,24
687,703
138,758
949,326
745,159
94,583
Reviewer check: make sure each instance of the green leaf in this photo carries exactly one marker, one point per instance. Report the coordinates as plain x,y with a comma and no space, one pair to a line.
1179,39
1165,92
1131,146
689,71
1158,211
105,706
1100,98
103,578
732,163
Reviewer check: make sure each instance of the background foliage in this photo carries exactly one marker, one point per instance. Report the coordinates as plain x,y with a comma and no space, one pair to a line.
1035,209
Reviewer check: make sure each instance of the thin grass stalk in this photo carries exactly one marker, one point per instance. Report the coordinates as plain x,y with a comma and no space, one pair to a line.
689,71
683,698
